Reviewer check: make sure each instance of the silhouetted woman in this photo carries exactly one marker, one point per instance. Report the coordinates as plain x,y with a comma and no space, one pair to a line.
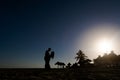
48,55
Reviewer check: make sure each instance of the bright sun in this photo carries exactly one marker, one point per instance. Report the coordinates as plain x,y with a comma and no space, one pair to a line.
105,45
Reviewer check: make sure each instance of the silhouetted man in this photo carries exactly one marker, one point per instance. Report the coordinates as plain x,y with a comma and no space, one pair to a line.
48,55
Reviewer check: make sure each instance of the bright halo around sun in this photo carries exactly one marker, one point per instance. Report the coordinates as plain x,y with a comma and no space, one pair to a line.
105,45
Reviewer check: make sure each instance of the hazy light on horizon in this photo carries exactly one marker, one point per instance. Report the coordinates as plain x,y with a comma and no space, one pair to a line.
100,39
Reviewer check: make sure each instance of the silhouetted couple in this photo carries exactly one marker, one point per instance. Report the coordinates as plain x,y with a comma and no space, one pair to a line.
48,55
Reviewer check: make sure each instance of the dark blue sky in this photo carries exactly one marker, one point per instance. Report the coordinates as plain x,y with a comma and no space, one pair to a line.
29,27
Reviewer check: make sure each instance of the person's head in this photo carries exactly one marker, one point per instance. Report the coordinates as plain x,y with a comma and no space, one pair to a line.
49,49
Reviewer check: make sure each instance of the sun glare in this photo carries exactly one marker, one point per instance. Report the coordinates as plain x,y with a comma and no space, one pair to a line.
105,45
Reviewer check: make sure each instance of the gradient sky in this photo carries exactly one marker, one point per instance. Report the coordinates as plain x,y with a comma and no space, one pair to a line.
29,27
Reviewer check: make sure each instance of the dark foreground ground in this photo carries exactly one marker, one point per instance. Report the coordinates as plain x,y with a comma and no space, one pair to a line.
60,74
